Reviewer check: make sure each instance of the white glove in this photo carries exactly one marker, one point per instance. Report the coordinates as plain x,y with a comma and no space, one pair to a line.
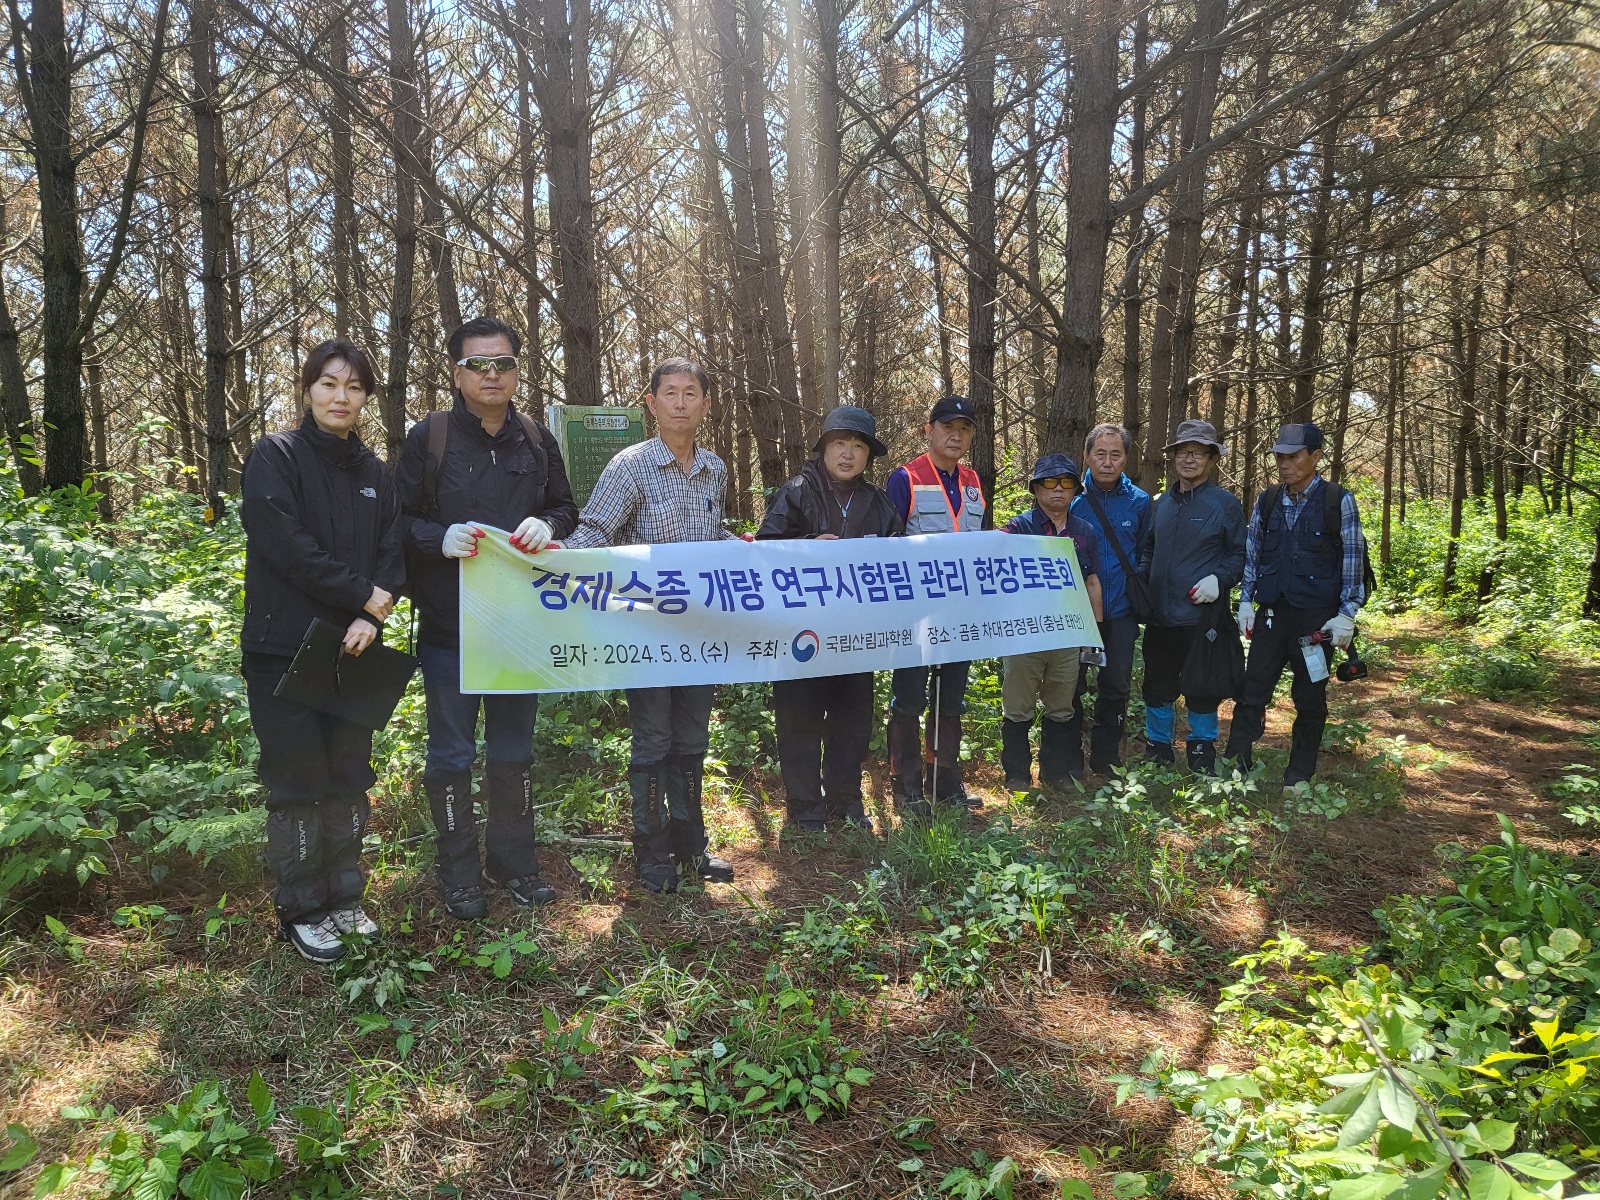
1205,591
1247,618
1340,629
461,541
532,536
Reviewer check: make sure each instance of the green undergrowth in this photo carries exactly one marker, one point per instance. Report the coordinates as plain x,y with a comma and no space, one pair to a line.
1455,1057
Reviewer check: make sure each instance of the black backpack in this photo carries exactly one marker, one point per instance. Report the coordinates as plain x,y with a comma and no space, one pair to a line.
439,436
1332,504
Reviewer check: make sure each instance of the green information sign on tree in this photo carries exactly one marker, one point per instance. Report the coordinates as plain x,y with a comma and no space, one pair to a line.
588,436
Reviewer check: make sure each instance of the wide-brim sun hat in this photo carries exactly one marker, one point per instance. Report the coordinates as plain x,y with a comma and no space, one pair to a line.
1202,432
848,420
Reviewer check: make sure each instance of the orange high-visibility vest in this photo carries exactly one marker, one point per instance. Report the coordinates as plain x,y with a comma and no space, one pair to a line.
930,503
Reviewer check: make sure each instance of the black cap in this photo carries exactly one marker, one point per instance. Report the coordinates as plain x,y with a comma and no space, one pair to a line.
1293,438
952,408
855,422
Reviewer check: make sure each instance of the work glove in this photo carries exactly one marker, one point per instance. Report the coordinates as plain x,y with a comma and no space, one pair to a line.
1340,629
461,541
1205,591
1247,618
532,536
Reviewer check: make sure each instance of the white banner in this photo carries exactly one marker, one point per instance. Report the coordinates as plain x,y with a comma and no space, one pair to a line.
741,612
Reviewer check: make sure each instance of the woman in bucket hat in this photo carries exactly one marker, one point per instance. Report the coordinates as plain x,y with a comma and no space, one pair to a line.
825,725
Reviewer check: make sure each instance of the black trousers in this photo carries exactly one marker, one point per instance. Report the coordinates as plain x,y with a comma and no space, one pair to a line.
1274,644
824,731
1166,647
316,769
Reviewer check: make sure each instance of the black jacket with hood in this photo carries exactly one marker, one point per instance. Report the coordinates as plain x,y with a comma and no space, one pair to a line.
322,526
499,481
801,509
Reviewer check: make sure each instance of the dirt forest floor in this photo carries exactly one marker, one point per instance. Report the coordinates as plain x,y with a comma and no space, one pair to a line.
132,1015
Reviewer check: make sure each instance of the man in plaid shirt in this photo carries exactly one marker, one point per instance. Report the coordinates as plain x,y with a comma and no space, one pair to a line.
667,489
1304,574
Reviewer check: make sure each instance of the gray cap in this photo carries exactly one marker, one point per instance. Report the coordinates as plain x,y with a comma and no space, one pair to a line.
1203,432
1294,438
857,422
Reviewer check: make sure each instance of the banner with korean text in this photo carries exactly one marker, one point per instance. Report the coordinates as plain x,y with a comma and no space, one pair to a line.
739,612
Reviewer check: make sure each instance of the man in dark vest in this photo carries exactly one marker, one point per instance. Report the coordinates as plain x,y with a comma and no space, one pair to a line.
484,461
933,493
1304,578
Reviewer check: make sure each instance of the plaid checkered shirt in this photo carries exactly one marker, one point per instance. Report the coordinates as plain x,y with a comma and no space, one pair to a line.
1352,589
643,497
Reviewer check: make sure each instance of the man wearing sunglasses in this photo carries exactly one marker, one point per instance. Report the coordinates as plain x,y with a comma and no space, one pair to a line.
483,462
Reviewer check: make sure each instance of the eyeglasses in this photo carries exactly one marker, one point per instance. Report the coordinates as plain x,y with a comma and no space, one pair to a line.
481,364
1059,484
1199,453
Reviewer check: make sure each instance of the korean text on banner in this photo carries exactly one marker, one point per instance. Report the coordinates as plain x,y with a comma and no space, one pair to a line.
739,612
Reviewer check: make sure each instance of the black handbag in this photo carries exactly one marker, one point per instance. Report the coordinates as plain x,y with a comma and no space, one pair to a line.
1138,590
1213,670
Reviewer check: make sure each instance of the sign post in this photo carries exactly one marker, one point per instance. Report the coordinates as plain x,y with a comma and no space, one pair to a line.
589,436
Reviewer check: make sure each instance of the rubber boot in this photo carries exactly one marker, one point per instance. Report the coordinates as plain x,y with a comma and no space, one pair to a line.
1202,755
685,791
1016,756
652,848
1105,743
1060,753
905,766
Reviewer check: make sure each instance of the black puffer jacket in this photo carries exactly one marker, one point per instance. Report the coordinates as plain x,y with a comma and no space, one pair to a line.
499,481
800,509
322,525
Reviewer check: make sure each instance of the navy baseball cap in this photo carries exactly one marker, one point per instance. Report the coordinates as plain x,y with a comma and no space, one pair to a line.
1053,466
953,408
1293,438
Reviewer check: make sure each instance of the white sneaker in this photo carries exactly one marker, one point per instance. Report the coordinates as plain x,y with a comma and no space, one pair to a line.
354,920
318,942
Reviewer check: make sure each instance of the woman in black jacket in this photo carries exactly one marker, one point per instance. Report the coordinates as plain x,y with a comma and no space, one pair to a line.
322,540
825,725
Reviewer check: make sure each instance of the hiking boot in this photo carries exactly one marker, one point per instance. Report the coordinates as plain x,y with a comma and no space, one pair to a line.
528,891
711,868
354,920
466,903
315,941
652,851
1160,752
1202,754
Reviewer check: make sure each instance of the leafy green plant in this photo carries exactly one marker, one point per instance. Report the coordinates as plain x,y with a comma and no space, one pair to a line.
557,1063
197,1147
594,874
328,1147
985,1178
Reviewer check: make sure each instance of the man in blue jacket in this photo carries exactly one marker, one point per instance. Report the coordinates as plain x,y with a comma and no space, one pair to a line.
1116,508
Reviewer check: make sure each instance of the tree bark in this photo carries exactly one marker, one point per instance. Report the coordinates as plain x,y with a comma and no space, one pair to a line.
1309,359
1352,344
1096,27
344,186
213,246
45,83
978,71
830,200
14,387
528,169
802,211
1133,285
406,132
559,50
